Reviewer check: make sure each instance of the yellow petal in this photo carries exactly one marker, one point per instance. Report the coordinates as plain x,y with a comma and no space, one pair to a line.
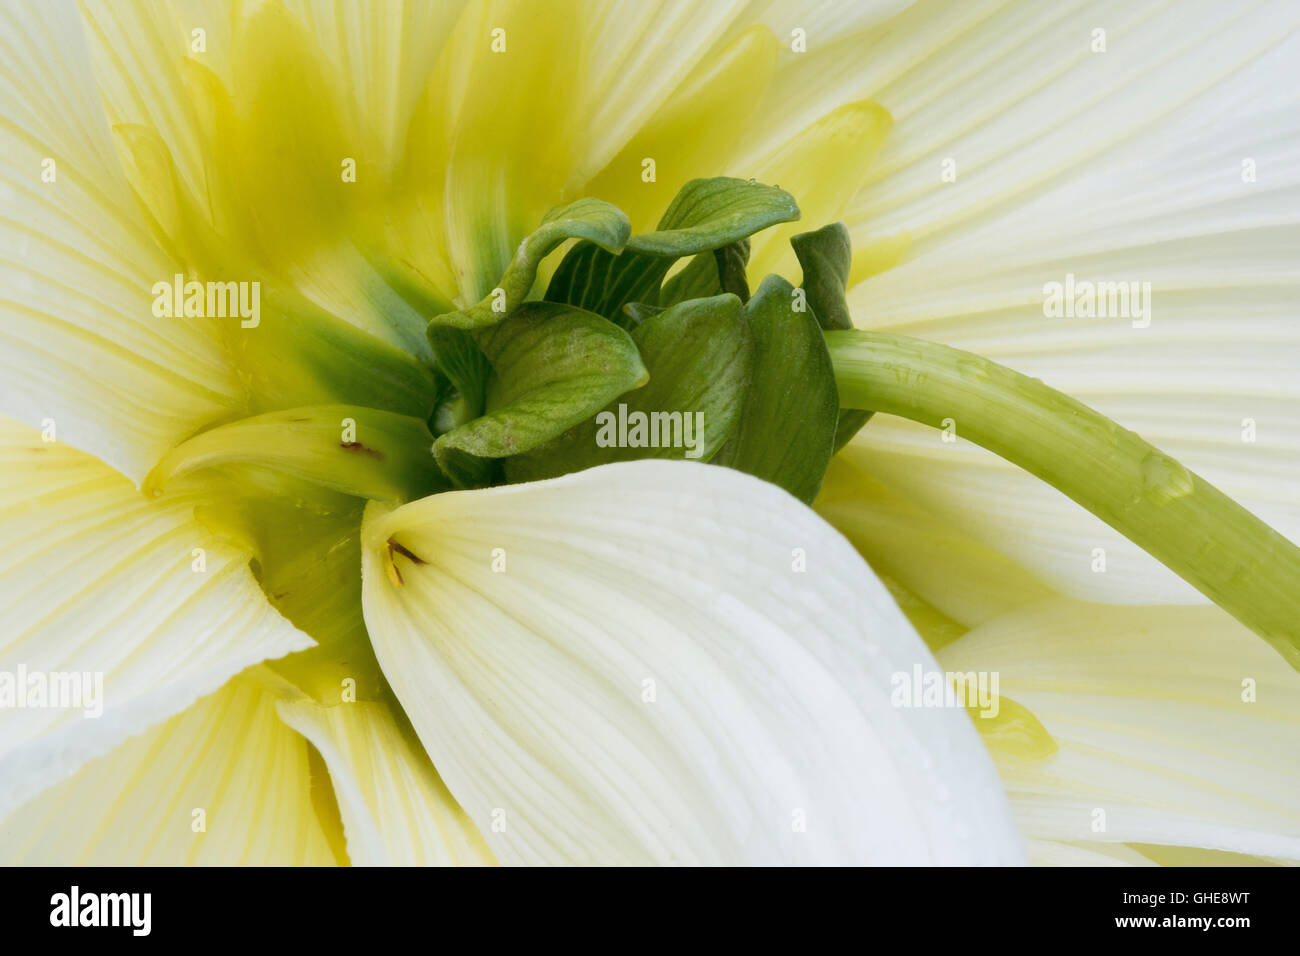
1178,172
955,574
492,144
225,783
640,55
134,594
79,343
395,809
1174,725
692,133
823,167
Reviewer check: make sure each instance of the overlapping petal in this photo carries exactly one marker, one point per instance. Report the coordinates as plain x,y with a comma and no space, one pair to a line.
1119,165
1174,725
130,592
626,665
224,783
79,343
395,809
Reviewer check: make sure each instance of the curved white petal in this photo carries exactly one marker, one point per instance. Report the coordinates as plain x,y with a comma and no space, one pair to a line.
79,343
224,783
646,678
97,580
1171,158
395,809
1175,725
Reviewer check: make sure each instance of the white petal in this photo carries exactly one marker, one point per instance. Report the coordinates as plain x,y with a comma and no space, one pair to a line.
1157,740
136,52
96,579
78,341
1049,853
228,756
648,680
825,22
965,580
639,55
852,50
1115,166
1015,515
395,809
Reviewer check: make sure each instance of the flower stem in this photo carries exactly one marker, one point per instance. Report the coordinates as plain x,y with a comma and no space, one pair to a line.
1219,547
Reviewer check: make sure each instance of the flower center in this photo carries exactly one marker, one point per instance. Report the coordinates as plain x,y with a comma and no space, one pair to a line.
612,359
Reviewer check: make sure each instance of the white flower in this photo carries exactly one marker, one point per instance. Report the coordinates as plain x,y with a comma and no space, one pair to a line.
629,663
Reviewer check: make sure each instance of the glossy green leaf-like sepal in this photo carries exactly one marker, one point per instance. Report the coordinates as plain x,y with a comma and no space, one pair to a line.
786,431
706,215
554,367
699,354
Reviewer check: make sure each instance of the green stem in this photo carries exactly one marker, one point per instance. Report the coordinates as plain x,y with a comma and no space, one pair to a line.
1215,544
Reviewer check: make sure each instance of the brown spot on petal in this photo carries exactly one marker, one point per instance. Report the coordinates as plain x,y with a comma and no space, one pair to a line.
358,447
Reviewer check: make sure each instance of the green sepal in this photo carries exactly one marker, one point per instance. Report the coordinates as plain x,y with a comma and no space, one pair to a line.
849,424
592,279
699,354
731,261
826,255
634,313
706,215
594,221
786,432
458,357
722,270
555,366
698,280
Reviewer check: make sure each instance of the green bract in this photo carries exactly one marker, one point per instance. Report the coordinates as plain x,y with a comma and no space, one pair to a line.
622,362
786,433
825,257
554,365
698,354
710,273
707,215
539,389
